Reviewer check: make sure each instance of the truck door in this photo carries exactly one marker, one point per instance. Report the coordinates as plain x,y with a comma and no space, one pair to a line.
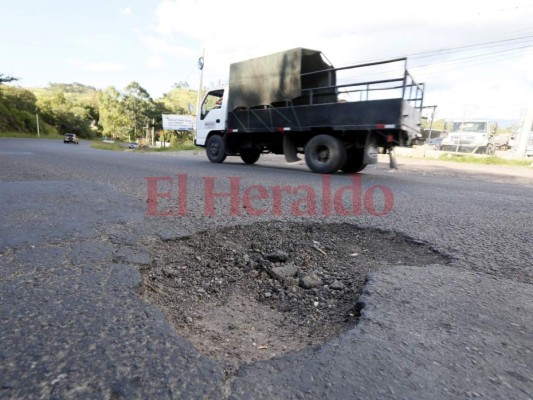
212,115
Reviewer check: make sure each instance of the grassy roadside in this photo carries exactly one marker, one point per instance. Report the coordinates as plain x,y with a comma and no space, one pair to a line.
118,146
490,160
179,147
108,146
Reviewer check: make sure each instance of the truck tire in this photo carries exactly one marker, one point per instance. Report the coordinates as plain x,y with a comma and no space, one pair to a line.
250,156
490,150
325,154
354,162
216,149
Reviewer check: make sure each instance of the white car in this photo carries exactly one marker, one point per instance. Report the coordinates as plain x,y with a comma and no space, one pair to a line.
70,138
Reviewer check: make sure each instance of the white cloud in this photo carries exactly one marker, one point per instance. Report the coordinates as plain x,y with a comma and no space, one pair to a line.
523,67
126,11
98,66
155,62
161,46
104,66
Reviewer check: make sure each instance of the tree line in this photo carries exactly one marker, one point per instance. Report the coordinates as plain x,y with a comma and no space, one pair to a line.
121,114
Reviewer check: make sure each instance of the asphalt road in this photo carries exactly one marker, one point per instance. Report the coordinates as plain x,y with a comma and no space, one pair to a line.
73,226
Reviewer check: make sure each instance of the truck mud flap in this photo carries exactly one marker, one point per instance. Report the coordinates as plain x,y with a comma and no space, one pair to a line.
371,149
289,150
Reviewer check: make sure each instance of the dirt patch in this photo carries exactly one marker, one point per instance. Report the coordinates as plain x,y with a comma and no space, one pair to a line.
253,292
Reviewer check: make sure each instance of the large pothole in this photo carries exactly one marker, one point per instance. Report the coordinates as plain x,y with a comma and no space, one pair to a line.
257,291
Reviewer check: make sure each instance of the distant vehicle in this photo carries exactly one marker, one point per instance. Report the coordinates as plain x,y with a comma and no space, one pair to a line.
469,137
512,141
501,142
107,140
70,138
133,145
435,142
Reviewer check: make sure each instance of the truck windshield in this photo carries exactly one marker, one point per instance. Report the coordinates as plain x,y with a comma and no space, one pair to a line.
469,127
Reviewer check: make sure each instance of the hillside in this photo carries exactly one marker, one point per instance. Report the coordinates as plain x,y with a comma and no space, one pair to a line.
87,111
178,99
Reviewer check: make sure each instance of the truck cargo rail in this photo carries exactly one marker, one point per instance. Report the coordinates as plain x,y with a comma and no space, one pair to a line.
401,86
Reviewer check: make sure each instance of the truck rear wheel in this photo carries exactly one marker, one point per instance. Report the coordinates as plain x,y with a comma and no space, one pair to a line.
354,162
325,154
216,149
250,156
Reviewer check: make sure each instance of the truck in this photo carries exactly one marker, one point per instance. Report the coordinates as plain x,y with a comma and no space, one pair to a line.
295,102
469,136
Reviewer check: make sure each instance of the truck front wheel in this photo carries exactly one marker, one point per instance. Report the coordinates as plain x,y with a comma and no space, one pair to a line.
216,149
325,154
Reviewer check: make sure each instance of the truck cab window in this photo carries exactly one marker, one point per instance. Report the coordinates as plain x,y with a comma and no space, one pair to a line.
211,101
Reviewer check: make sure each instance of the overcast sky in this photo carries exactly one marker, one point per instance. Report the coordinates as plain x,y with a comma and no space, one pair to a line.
475,57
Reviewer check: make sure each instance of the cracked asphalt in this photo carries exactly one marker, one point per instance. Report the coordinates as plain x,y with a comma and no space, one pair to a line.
72,325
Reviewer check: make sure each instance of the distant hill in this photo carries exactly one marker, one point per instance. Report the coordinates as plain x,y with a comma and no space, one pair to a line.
178,100
72,91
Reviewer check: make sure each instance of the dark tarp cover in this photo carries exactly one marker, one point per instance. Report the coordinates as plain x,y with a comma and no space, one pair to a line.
276,77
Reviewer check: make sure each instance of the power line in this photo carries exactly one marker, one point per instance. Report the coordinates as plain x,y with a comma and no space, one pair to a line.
482,45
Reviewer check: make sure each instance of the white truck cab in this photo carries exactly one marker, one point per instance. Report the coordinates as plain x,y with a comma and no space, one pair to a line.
211,116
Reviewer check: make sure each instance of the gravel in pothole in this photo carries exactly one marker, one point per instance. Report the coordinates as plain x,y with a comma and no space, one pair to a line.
253,292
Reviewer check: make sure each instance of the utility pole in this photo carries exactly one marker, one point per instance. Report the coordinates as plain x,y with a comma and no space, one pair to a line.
153,132
37,120
525,131
147,131
431,122
201,63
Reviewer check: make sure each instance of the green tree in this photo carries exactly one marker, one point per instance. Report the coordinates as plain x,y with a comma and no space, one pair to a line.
7,79
178,99
438,124
139,107
62,113
112,115
19,98
17,109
